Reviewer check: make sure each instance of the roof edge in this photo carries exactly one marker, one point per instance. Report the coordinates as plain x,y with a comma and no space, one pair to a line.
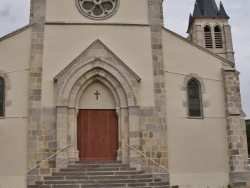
13,33
223,12
200,47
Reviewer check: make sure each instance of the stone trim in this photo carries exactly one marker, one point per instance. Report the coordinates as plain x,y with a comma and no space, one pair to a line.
118,95
90,12
202,93
96,64
67,133
153,129
197,77
72,82
100,67
84,23
236,128
36,131
99,58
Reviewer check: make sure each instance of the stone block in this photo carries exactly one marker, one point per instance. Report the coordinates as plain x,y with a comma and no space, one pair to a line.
33,172
134,141
134,134
151,127
44,171
147,112
150,142
151,135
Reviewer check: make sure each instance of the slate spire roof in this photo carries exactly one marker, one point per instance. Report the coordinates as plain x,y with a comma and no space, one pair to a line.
207,9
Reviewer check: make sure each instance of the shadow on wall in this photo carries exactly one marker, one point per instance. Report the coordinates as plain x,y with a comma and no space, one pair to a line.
248,142
248,138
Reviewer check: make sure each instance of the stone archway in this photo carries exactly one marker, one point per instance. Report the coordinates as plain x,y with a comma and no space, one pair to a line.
70,86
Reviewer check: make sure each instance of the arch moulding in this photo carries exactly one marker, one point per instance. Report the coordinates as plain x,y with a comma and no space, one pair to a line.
73,81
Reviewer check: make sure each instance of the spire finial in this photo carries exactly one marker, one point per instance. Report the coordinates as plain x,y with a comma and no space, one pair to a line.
223,13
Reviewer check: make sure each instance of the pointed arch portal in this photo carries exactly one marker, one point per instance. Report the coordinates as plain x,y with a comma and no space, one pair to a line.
93,132
97,123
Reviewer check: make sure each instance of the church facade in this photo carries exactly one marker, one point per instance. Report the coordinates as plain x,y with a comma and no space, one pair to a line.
98,80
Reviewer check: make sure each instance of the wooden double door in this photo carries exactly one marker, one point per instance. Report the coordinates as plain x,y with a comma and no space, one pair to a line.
97,135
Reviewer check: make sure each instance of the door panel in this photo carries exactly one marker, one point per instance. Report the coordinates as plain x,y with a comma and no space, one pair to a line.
97,135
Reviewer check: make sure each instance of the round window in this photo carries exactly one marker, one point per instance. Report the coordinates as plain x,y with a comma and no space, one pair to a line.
97,9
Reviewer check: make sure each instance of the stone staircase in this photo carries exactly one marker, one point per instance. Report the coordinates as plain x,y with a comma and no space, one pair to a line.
98,175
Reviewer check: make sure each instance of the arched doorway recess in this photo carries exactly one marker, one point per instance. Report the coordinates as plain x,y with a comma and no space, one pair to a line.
97,124
70,85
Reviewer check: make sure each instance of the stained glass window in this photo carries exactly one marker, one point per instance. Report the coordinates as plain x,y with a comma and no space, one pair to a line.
2,84
194,99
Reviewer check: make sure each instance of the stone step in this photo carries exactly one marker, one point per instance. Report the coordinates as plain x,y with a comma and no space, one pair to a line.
112,181
97,169
82,166
99,186
98,173
98,162
101,174
99,177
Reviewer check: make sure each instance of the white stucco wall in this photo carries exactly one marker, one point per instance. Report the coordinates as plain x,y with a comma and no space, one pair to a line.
64,43
14,60
129,11
198,154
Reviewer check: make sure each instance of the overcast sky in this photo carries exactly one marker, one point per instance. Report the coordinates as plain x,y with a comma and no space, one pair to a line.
15,14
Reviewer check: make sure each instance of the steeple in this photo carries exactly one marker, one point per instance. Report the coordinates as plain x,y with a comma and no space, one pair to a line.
197,11
223,13
207,9
209,28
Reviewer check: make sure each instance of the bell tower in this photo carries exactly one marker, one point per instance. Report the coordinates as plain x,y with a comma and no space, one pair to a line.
209,28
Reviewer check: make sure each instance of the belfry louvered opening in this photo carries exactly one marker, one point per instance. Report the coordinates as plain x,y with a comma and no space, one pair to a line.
208,37
218,37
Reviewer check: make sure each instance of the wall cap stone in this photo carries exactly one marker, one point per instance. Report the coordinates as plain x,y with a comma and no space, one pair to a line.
228,69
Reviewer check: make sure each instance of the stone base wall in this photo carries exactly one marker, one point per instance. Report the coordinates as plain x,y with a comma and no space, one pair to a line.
248,178
46,135
236,127
153,141
240,179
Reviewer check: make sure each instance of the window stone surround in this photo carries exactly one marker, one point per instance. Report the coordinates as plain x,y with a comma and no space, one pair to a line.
7,89
205,103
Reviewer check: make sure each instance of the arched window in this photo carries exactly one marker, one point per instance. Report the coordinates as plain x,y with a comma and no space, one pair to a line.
194,98
218,37
2,93
208,37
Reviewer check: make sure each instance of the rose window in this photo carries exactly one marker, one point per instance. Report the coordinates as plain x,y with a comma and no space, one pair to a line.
97,9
